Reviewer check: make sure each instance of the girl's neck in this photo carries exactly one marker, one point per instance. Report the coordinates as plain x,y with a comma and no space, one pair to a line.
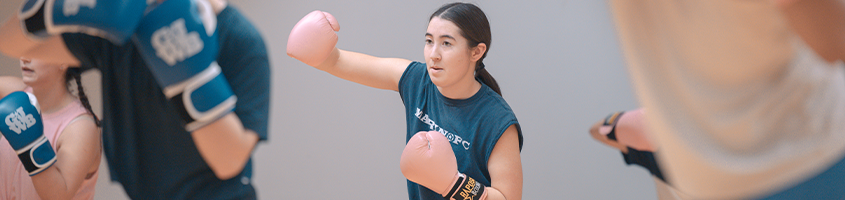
461,90
52,97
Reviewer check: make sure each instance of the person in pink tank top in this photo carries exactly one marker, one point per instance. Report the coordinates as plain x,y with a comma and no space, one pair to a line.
69,125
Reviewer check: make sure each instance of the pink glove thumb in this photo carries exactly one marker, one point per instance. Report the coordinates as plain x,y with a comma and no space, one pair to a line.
632,131
428,160
313,38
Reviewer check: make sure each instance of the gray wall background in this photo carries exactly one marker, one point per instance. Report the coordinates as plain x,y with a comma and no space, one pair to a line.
558,64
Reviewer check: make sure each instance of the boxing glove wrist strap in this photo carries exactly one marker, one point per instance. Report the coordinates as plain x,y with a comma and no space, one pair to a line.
645,159
611,121
33,156
466,188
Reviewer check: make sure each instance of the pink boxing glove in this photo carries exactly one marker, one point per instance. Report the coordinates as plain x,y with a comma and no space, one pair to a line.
428,160
313,38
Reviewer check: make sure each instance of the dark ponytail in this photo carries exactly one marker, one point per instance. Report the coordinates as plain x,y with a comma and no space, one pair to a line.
476,29
76,74
486,78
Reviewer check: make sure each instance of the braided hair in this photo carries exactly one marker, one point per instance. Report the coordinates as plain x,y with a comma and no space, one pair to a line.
75,73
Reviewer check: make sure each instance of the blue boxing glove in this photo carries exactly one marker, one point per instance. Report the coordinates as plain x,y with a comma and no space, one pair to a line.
178,41
115,20
25,133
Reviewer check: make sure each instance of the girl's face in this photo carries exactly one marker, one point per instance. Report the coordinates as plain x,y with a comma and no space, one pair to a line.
449,58
35,72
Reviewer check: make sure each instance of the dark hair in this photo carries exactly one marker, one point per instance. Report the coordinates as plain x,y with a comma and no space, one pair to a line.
76,74
476,29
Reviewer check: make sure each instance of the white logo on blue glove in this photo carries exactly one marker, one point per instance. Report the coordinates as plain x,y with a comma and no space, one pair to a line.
174,43
71,7
19,121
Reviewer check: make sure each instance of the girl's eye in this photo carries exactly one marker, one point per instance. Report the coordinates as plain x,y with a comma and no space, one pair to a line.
427,41
447,44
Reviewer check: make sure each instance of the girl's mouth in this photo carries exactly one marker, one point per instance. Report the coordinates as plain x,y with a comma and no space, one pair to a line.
26,69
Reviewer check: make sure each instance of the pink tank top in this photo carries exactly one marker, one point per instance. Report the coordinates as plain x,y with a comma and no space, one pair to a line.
15,182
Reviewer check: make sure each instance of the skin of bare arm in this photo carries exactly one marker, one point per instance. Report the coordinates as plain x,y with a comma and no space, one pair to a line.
382,73
820,23
16,44
505,166
77,155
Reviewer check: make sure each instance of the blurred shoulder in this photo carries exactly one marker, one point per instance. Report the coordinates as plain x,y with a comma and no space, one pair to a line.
9,84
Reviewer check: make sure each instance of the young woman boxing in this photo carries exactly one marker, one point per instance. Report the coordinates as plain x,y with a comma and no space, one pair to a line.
463,139
69,127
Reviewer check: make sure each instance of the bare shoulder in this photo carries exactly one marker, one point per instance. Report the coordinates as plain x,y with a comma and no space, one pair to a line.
9,84
510,138
82,131
79,148
507,147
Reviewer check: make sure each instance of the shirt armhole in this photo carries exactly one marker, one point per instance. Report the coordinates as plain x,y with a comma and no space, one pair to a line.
404,80
501,132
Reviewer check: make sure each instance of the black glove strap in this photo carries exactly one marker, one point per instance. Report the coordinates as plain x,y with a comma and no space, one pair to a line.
466,188
645,159
179,104
26,160
611,120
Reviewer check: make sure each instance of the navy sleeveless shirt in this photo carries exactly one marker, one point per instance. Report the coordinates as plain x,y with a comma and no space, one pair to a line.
472,125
